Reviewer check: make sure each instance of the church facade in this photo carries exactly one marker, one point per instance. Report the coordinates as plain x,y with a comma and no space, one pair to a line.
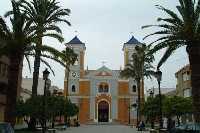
102,95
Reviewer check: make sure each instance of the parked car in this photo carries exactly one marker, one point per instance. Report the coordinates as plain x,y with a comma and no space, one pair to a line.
6,128
187,128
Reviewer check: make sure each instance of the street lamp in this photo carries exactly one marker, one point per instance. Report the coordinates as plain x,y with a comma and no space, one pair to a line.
158,75
152,122
129,115
45,78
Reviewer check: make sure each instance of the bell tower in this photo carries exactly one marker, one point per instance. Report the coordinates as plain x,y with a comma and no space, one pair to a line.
71,85
129,49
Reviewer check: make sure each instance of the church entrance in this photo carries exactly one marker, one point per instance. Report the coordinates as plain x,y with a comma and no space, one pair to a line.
103,111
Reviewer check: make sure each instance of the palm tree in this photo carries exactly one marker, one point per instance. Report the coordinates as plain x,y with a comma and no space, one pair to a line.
43,16
177,30
17,42
139,67
14,43
70,59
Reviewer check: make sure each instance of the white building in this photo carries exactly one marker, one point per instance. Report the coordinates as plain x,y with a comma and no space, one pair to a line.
27,87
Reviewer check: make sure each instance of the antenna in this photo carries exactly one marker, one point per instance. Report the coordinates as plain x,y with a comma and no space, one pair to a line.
76,32
131,33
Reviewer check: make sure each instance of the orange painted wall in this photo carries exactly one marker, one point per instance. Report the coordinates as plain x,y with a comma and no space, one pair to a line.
84,110
123,114
123,88
84,88
82,54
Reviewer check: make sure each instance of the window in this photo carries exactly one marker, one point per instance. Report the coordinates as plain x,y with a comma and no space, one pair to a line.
103,88
187,92
186,76
134,88
100,88
106,88
73,88
76,62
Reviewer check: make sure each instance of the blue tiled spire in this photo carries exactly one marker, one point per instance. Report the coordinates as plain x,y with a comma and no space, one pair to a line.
133,41
75,40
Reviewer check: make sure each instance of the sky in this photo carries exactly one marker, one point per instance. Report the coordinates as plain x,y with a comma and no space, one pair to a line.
104,26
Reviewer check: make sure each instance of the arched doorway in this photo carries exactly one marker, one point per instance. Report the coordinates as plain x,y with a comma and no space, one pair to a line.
103,111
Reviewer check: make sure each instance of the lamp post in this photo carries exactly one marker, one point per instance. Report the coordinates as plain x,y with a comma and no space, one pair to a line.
129,115
152,122
158,75
45,78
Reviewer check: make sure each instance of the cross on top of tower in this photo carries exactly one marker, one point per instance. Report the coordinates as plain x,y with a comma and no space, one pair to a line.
103,63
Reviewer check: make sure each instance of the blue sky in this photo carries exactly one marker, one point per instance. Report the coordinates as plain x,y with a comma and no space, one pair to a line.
104,25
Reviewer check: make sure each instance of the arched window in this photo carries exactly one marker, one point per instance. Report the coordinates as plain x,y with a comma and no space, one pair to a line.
73,88
76,62
134,88
106,88
100,88
103,88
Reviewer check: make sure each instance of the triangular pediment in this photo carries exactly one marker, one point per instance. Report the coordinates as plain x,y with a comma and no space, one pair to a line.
104,71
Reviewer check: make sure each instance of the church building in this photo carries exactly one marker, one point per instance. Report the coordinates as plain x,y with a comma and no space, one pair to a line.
102,95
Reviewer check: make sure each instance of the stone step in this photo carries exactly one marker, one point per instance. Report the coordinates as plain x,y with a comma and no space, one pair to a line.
103,123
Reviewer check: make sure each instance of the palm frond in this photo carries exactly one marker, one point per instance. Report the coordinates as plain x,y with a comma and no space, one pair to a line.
164,32
140,64
8,13
50,50
48,65
53,28
28,61
54,35
169,51
171,13
4,27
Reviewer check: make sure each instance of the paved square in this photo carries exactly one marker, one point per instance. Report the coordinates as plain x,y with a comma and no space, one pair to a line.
102,129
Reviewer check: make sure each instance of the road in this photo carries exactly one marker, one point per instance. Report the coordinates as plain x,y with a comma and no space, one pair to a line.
102,129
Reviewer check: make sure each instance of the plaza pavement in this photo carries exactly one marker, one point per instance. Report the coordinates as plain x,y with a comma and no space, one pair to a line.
102,129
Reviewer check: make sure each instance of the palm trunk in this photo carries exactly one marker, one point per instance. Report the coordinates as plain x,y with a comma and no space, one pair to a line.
139,103
36,65
67,84
13,86
36,76
36,72
194,56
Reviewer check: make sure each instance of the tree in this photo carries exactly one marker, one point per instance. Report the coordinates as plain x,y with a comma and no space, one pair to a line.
14,43
20,108
17,42
43,16
70,110
139,67
70,59
56,106
177,106
171,106
151,109
177,30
